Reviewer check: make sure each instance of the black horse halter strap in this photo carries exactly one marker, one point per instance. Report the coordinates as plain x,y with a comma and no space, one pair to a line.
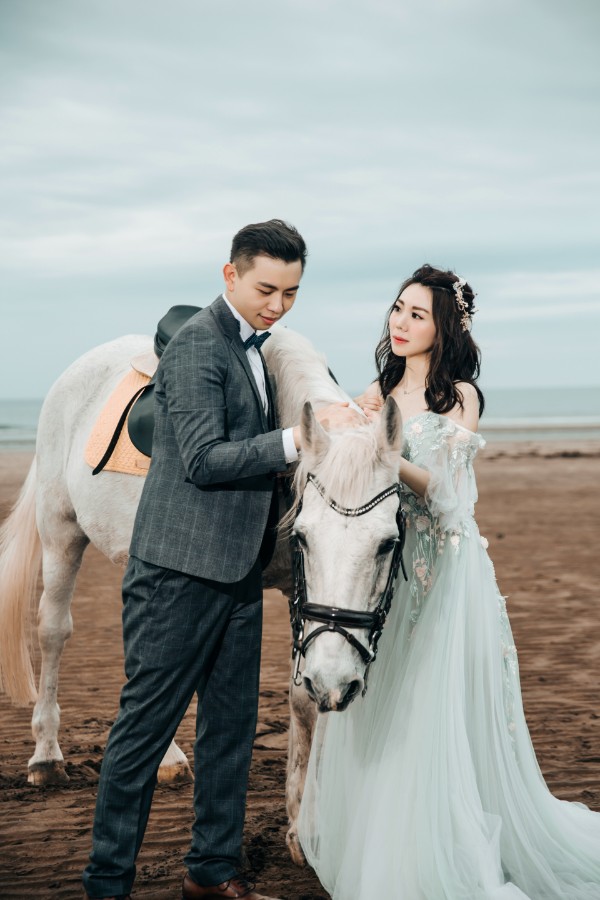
339,619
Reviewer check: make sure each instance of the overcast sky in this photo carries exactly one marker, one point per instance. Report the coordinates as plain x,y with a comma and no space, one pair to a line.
139,135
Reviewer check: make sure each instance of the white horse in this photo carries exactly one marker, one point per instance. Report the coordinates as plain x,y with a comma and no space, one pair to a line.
347,525
62,508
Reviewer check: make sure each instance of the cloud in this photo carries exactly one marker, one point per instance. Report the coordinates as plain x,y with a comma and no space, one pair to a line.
139,136
567,296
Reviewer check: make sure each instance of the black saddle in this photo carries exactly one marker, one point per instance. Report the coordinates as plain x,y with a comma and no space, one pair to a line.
140,408
170,325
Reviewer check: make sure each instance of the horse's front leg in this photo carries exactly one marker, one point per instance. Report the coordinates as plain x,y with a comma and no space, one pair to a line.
61,559
303,716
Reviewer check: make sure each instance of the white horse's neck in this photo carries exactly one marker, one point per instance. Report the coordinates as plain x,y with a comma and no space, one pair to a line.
301,374
353,469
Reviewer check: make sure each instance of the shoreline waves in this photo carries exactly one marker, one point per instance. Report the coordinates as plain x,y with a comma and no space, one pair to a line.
521,416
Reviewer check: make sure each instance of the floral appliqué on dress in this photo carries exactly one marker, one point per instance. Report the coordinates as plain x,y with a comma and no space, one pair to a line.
444,518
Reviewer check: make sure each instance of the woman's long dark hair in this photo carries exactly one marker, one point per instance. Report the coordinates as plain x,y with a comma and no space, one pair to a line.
455,356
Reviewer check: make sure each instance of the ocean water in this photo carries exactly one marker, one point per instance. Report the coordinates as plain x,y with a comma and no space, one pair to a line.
18,423
510,414
541,414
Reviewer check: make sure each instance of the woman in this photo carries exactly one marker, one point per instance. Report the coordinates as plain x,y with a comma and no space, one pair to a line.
428,788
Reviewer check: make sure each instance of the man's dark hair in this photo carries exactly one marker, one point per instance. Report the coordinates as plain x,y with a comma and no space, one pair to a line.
274,238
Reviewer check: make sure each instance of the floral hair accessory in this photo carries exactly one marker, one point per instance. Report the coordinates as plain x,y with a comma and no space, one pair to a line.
462,304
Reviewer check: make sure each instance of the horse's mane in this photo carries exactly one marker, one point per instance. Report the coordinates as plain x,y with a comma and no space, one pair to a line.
300,373
346,471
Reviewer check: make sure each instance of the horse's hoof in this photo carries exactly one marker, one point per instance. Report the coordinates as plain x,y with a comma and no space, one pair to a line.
295,849
44,773
178,773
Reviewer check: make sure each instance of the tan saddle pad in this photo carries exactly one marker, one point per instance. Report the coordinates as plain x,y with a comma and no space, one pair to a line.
125,457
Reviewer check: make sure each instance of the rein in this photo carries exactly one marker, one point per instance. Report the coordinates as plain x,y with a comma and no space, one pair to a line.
338,619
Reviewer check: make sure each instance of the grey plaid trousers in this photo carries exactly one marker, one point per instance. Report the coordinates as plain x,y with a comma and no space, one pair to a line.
182,635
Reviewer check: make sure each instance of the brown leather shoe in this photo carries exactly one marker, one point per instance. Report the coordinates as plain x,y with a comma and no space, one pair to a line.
235,887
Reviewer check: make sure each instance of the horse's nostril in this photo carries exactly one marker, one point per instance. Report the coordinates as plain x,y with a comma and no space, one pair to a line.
354,688
352,691
308,687
348,693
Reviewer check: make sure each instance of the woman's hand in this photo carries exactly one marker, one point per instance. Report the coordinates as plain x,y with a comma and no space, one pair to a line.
371,400
336,415
373,415
339,415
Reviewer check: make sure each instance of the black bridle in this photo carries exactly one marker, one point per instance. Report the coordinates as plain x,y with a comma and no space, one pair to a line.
334,618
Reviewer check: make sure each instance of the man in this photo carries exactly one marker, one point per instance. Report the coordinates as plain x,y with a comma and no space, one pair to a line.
192,593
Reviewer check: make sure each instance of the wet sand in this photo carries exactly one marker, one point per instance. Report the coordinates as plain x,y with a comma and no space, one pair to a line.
538,507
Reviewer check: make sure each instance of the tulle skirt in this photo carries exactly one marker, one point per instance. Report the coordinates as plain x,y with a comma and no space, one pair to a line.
428,787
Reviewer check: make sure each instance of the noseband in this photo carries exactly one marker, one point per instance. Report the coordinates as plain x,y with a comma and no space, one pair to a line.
334,618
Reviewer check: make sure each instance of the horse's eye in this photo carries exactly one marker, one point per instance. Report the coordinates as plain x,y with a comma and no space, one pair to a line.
300,538
386,547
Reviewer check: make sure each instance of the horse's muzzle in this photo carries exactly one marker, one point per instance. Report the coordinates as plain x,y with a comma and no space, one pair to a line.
333,699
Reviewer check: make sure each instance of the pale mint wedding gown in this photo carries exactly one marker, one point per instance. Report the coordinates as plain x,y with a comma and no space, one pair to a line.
428,787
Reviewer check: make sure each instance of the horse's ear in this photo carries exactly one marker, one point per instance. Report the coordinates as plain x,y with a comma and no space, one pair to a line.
390,427
313,436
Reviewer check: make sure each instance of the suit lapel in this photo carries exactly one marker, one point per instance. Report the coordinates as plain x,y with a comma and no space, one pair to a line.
238,349
229,325
270,395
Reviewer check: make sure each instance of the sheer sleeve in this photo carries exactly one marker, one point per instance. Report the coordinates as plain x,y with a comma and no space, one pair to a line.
452,491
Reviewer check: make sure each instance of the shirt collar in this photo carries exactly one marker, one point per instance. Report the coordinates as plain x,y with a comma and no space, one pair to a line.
246,330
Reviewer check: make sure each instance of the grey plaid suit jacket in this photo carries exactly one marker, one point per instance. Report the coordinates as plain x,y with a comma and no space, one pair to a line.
206,497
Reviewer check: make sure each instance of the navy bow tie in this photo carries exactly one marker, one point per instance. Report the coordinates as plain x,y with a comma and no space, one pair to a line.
256,340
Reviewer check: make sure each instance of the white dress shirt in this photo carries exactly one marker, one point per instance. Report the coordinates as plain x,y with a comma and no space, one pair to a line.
256,364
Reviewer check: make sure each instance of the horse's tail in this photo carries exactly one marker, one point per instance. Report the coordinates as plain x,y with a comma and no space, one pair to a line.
20,555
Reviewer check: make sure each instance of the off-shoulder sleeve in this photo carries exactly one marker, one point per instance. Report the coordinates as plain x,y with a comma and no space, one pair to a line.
452,491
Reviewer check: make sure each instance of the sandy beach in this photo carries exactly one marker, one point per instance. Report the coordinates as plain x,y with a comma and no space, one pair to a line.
538,507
